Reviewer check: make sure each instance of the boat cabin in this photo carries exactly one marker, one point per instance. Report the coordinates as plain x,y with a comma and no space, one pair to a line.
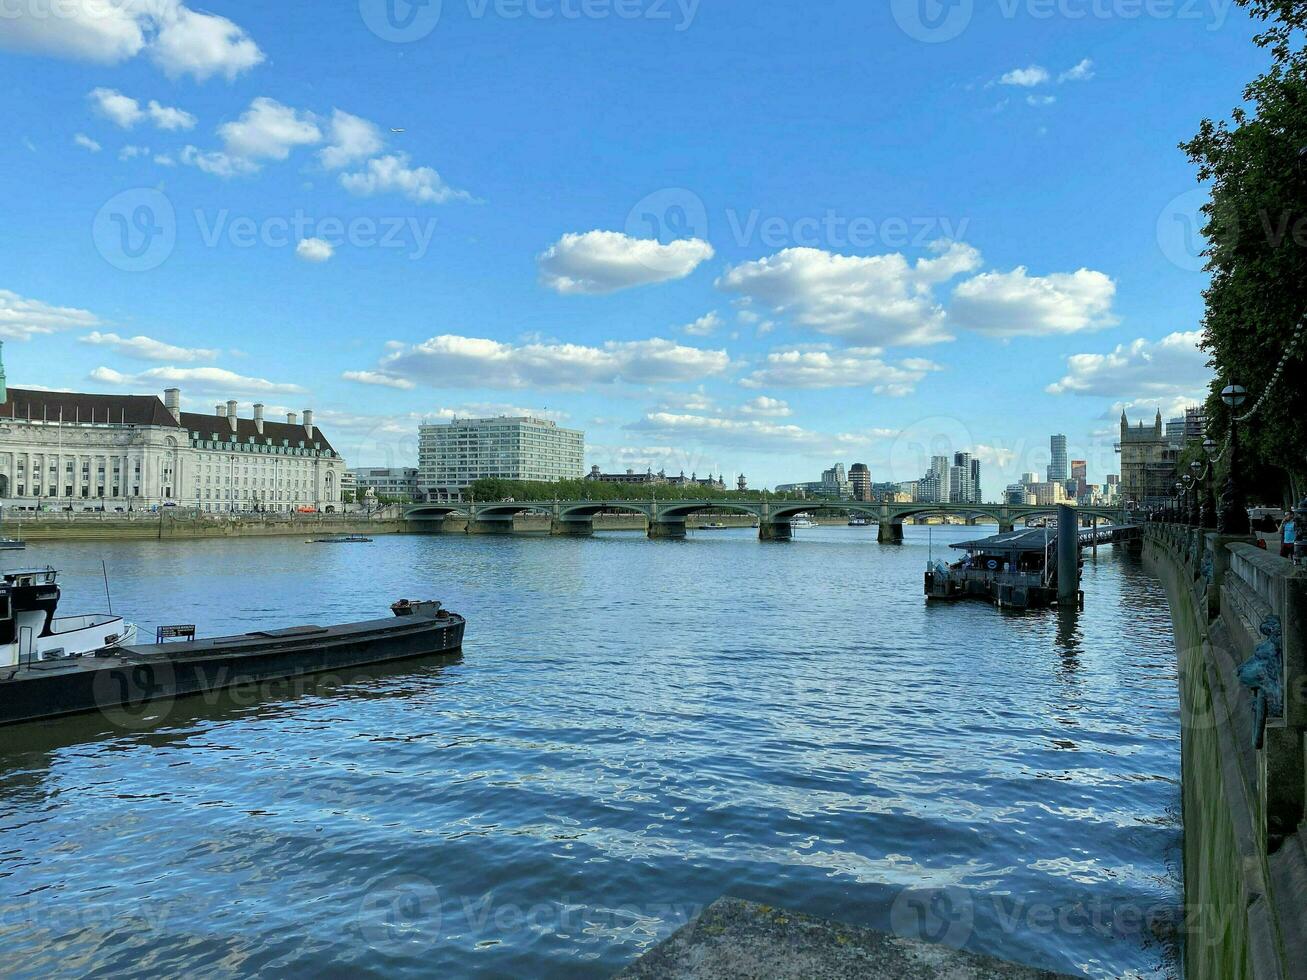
1016,569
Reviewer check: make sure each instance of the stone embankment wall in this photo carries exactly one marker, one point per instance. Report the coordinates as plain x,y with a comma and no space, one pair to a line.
1240,617
153,527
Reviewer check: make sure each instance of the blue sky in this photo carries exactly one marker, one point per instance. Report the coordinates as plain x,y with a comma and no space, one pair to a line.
754,237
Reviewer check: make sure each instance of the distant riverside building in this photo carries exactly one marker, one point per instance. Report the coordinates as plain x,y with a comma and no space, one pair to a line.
1148,463
741,483
1049,493
860,478
70,450
1187,428
395,483
1029,478
1017,494
453,455
650,478
348,485
1058,468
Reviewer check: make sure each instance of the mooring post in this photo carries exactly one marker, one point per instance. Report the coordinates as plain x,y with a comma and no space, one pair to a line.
1068,555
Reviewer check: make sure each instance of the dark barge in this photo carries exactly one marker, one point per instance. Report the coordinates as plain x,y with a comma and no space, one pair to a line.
118,676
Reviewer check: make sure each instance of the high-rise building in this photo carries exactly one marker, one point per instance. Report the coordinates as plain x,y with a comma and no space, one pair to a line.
453,455
937,485
1029,478
976,495
960,479
860,477
1186,428
1058,466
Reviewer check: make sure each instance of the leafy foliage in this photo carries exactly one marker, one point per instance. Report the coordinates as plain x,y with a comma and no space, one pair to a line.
1257,229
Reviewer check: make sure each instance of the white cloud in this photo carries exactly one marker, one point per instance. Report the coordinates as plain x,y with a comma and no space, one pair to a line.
22,319
126,112
147,348
392,173
201,45
599,262
178,39
1083,72
1040,101
1026,77
380,379
853,368
994,455
745,433
169,117
131,152
164,160
84,141
869,300
471,362
268,130
199,380
766,407
217,163
351,139
705,326
315,249
1016,304
1168,371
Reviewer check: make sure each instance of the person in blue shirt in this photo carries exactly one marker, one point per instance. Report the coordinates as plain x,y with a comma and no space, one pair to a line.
1288,535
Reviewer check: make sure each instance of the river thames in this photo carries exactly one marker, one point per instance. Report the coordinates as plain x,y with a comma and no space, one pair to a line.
634,729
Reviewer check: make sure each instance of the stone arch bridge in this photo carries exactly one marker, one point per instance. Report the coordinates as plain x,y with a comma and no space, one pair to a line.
667,518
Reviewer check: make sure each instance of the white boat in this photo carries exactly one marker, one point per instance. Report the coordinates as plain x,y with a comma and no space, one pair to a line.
30,632
802,520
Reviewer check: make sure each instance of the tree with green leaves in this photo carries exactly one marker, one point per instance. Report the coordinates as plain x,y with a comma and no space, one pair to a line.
1256,164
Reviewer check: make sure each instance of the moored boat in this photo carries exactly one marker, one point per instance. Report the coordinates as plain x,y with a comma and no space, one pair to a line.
1017,570
802,520
43,681
343,539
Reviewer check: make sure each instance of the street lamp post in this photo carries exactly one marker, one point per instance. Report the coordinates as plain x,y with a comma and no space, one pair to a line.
1195,467
1233,516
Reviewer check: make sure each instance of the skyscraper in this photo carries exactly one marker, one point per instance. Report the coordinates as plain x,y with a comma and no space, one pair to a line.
860,477
1058,467
976,496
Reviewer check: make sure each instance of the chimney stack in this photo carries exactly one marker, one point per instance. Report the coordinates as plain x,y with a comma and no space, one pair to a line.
258,417
290,418
220,411
308,421
231,413
172,401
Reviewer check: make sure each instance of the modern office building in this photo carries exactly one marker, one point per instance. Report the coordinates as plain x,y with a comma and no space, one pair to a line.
75,451
392,483
1058,467
453,455
860,478
1187,428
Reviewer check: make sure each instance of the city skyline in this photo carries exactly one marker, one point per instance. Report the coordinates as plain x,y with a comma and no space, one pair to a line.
683,315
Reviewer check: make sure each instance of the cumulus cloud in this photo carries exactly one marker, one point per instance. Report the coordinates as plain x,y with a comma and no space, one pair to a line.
705,326
199,380
351,138
599,262
1082,72
147,348
1017,304
126,112
379,379
179,40
1164,371
745,433
315,249
868,300
1040,101
472,362
394,174
766,407
84,141
268,130
1026,77
216,162
852,368
22,319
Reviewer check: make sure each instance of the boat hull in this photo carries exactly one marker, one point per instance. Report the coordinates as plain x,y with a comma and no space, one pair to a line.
119,685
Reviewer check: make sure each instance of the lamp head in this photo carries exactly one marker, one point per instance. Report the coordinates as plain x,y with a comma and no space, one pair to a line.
1209,446
1234,395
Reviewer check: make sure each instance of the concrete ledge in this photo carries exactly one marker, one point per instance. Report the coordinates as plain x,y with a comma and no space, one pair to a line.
738,940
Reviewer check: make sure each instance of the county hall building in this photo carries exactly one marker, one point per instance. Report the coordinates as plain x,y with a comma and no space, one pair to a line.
69,450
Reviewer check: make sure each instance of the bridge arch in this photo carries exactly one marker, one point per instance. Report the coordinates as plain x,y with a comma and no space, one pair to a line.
677,512
587,509
906,512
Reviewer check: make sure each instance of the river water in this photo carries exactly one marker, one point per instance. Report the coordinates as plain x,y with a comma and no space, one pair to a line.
634,729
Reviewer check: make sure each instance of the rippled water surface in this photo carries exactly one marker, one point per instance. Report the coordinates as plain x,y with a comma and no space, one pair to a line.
634,729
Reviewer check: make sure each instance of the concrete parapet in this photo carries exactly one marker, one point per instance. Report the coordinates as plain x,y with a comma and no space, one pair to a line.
1240,617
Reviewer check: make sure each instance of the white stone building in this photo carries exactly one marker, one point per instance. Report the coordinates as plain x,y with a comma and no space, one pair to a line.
67,450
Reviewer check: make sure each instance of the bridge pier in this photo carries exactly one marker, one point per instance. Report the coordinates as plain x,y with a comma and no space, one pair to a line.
1005,528
775,531
489,525
890,532
666,529
579,529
